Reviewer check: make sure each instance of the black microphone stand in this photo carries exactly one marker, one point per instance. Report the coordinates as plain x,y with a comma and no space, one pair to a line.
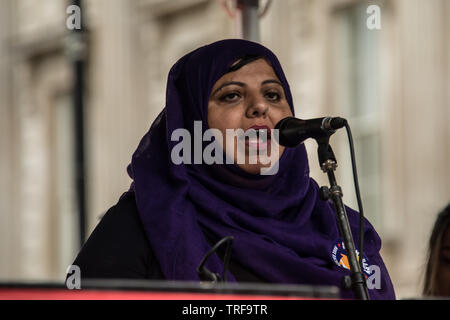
328,164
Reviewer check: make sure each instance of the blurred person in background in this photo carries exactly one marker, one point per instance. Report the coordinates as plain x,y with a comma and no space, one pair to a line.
437,274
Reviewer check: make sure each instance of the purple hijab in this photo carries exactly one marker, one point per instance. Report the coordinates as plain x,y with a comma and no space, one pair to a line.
283,232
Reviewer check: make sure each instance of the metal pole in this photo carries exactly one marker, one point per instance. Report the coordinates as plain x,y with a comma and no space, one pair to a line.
249,19
76,50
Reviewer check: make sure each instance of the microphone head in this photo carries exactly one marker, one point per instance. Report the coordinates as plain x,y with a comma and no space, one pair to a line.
289,134
293,131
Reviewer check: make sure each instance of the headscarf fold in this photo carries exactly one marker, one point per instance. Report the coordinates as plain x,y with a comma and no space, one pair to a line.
283,232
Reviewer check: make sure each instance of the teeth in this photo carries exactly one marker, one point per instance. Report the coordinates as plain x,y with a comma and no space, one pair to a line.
263,134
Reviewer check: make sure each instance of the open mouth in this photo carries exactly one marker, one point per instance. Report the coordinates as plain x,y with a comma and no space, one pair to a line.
257,137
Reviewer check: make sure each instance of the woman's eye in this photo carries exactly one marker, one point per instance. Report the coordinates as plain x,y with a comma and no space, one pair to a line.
273,96
230,97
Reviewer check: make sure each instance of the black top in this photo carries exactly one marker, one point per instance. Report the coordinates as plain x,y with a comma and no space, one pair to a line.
118,248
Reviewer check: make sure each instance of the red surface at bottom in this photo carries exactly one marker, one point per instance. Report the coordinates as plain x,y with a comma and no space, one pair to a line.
58,294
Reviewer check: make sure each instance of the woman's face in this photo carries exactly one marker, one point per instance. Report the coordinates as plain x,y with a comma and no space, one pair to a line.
251,96
443,272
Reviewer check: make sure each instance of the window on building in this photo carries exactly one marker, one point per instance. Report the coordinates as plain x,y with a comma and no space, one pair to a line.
355,90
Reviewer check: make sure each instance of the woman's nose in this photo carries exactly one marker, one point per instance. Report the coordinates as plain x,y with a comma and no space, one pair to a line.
257,107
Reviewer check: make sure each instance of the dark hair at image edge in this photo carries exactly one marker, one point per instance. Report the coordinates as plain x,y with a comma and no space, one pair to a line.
434,248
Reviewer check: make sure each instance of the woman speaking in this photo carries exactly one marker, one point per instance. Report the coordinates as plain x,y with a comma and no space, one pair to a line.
209,168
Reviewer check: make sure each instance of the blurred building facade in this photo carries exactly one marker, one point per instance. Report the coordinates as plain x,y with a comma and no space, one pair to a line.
391,83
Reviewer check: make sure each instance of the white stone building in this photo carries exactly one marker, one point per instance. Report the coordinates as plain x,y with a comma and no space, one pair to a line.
391,83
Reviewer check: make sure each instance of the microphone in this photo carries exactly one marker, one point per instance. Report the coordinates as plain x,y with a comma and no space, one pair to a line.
293,131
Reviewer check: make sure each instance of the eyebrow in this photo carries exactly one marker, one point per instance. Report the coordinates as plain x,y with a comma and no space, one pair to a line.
241,84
